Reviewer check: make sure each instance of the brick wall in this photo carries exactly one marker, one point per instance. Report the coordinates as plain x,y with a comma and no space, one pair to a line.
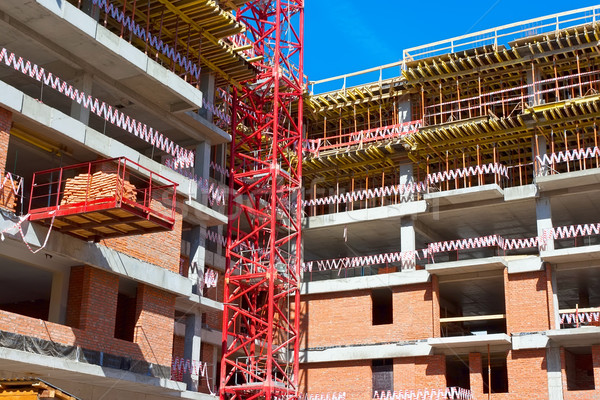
154,327
7,197
565,359
414,373
92,301
346,318
527,376
526,302
352,377
214,319
161,248
475,377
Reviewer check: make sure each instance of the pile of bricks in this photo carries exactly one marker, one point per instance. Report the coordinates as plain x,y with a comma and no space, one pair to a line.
101,185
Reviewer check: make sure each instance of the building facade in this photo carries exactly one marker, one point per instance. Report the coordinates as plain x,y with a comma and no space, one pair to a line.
122,300
451,237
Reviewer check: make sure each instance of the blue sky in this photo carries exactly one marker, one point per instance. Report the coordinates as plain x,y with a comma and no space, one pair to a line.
351,35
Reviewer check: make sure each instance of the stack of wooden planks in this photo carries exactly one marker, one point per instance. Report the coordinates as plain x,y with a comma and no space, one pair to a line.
101,185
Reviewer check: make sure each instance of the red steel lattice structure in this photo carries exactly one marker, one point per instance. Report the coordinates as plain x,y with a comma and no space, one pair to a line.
260,328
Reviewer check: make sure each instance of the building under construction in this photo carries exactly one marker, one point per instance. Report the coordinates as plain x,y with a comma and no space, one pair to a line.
184,215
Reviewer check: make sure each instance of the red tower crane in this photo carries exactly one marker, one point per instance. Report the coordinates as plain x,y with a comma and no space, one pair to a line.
261,296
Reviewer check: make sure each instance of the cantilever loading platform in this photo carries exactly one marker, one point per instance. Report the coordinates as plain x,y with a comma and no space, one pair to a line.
103,199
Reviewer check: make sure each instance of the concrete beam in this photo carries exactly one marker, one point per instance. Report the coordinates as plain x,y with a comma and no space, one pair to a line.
410,277
369,214
525,264
529,341
467,266
466,195
366,352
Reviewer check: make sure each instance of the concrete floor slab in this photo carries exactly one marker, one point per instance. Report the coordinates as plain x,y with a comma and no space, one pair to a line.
568,179
571,254
366,352
467,266
466,195
365,282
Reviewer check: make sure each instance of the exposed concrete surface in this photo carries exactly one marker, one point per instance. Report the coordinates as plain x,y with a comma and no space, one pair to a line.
465,195
469,344
530,341
365,282
366,352
528,264
467,266
369,214
568,179
520,192
571,254
583,336
554,371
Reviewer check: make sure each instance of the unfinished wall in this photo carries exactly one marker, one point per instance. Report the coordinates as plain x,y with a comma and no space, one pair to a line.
154,326
414,373
527,376
161,248
526,299
346,318
7,197
352,377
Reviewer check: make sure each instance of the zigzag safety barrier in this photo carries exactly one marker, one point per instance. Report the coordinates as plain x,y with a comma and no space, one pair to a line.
17,189
323,396
561,232
219,168
485,169
216,194
216,111
108,113
425,394
579,317
360,261
181,366
365,194
568,155
210,279
363,136
118,15
411,188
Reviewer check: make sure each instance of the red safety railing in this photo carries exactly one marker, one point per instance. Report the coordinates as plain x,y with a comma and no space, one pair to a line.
101,185
361,137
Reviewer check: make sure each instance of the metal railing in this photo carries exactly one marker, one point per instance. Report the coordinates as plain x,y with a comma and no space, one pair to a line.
505,33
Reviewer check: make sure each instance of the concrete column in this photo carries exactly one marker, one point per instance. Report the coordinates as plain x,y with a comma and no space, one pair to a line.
554,306
207,87
404,111
216,363
58,297
202,168
84,83
539,147
408,241
197,258
554,372
543,214
191,348
406,180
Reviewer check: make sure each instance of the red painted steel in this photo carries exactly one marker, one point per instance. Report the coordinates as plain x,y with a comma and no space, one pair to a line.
155,195
260,328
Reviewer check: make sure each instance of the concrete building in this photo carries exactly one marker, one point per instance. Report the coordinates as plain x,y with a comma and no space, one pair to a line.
121,301
451,237
451,230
